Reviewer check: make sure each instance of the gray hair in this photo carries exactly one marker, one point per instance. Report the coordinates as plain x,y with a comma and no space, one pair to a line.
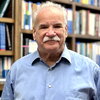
50,4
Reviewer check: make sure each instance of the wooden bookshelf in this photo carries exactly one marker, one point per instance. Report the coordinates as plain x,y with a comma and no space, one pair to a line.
73,38
9,18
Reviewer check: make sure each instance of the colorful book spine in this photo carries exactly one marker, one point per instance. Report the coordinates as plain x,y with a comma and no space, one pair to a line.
2,36
70,21
5,66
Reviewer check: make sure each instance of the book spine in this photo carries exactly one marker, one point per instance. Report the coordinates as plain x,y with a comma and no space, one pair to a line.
3,36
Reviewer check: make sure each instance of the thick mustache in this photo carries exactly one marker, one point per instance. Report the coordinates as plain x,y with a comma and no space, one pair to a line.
55,38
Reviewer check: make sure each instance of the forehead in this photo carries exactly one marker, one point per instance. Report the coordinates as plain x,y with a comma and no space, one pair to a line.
50,14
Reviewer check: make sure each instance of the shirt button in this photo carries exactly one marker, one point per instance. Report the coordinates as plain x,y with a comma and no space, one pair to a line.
50,69
49,86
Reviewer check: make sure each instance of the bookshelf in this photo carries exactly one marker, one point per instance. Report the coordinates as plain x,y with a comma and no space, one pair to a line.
73,37
9,18
14,18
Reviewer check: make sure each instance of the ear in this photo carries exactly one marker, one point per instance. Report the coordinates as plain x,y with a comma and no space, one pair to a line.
34,34
66,31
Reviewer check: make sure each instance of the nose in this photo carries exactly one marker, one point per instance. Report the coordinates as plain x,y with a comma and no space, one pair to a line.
50,32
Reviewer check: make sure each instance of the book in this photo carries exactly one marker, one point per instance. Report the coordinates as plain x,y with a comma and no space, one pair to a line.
2,36
0,67
98,59
91,28
85,1
28,16
6,64
32,46
28,45
3,6
77,22
83,21
8,40
70,21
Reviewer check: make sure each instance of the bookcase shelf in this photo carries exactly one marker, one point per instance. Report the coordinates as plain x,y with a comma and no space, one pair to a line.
2,81
26,31
86,6
63,1
7,20
6,53
1,86
77,4
72,38
89,37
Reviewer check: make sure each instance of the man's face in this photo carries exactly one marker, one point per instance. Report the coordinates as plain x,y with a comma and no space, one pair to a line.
50,30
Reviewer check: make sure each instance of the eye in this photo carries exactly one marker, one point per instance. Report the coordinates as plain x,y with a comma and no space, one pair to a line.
43,26
58,26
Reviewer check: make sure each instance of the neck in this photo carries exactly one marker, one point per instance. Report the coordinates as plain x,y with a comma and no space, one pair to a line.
50,59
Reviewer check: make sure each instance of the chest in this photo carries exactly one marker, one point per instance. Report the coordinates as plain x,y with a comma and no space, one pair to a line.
55,84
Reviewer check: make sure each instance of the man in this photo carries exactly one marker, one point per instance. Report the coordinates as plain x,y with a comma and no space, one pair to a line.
53,72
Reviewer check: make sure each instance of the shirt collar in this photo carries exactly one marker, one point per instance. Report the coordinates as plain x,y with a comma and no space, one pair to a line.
65,55
36,57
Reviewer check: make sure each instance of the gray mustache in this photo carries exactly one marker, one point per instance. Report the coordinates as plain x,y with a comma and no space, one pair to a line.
55,38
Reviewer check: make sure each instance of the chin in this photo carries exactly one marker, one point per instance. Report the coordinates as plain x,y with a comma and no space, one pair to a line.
52,49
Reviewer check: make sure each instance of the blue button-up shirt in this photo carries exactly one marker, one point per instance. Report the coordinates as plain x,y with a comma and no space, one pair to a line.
72,77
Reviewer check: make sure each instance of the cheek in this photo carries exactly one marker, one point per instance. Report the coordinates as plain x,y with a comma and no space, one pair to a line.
63,36
39,38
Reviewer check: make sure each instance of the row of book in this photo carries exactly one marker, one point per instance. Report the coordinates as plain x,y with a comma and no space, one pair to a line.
91,50
27,45
27,14
87,22
5,37
89,2
5,64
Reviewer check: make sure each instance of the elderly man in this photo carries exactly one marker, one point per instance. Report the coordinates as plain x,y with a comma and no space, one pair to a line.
52,72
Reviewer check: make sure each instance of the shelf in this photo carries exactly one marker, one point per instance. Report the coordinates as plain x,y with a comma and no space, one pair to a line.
7,20
89,37
35,1
1,87
63,1
88,6
77,4
6,53
2,81
69,35
26,31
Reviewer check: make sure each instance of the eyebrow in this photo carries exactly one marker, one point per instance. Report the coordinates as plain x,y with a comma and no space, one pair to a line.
47,24
58,24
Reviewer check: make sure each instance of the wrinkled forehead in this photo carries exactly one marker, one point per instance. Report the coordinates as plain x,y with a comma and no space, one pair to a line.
49,10
49,14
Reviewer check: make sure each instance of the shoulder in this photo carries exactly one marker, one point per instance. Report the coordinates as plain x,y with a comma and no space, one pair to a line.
80,58
20,65
22,62
24,59
85,64
83,61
